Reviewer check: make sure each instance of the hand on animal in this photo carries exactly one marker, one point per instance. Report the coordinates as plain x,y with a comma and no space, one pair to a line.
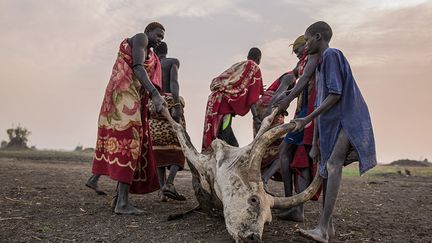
176,113
158,102
282,104
300,124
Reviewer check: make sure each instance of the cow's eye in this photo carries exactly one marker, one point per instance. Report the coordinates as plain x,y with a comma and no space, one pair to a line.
254,200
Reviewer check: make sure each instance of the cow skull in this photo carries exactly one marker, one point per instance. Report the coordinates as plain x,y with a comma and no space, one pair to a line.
232,177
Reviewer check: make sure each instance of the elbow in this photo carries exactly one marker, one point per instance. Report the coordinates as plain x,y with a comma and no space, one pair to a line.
137,69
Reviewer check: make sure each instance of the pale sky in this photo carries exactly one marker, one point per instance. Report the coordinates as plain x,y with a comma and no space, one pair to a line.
57,55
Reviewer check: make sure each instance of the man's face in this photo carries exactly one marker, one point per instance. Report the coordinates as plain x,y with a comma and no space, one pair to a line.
299,51
311,43
258,60
155,37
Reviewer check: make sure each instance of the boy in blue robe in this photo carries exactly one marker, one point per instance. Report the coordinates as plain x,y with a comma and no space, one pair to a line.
343,124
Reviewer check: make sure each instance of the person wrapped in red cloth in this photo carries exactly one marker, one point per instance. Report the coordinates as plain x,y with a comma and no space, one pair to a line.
296,166
234,92
124,147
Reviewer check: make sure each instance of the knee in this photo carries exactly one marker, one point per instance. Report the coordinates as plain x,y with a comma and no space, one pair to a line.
333,168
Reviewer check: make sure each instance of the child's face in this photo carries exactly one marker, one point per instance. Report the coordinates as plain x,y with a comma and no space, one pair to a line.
299,51
311,43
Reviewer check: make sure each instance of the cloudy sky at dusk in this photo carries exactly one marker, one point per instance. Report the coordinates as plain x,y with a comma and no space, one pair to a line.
57,55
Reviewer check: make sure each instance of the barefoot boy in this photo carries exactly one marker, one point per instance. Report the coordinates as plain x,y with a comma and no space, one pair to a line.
343,123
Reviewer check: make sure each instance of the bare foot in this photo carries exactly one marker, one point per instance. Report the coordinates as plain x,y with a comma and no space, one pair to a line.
291,214
314,234
128,210
92,184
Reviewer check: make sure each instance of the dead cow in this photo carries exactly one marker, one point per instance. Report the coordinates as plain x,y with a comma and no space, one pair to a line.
227,180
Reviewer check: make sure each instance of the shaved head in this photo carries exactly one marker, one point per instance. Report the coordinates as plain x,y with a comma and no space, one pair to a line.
321,28
152,26
254,54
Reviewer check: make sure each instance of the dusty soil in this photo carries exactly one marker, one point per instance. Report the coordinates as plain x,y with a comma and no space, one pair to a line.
48,202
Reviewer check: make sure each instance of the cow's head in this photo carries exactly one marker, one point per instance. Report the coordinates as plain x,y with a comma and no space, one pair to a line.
246,204
236,180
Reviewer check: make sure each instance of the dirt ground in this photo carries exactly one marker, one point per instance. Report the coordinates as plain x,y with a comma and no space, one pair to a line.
48,202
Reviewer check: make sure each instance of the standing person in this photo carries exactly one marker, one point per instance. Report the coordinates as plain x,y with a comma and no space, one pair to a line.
124,148
234,92
297,168
167,149
344,131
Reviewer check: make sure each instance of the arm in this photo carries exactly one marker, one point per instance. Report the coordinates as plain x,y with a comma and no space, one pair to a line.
139,53
302,82
174,84
285,81
175,90
255,116
314,152
327,104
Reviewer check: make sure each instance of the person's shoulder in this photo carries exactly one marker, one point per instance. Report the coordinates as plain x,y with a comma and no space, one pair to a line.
251,63
330,55
173,60
140,38
312,58
332,52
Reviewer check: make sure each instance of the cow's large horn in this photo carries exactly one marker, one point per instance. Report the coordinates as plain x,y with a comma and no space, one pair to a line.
260,147
188,148
266,123
287,202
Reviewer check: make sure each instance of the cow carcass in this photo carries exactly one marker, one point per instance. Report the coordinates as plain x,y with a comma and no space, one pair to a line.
227,180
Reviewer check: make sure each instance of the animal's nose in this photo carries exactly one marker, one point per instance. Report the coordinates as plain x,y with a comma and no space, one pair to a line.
252,238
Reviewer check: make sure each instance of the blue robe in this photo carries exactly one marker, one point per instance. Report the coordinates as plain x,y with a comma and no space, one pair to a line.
350,113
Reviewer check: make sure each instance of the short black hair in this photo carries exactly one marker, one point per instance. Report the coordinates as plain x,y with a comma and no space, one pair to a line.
152,26
322,28
161,49
254,53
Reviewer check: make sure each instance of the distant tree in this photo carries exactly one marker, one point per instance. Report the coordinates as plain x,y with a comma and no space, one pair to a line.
89,150
18,138
78,148
425,160
3,144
